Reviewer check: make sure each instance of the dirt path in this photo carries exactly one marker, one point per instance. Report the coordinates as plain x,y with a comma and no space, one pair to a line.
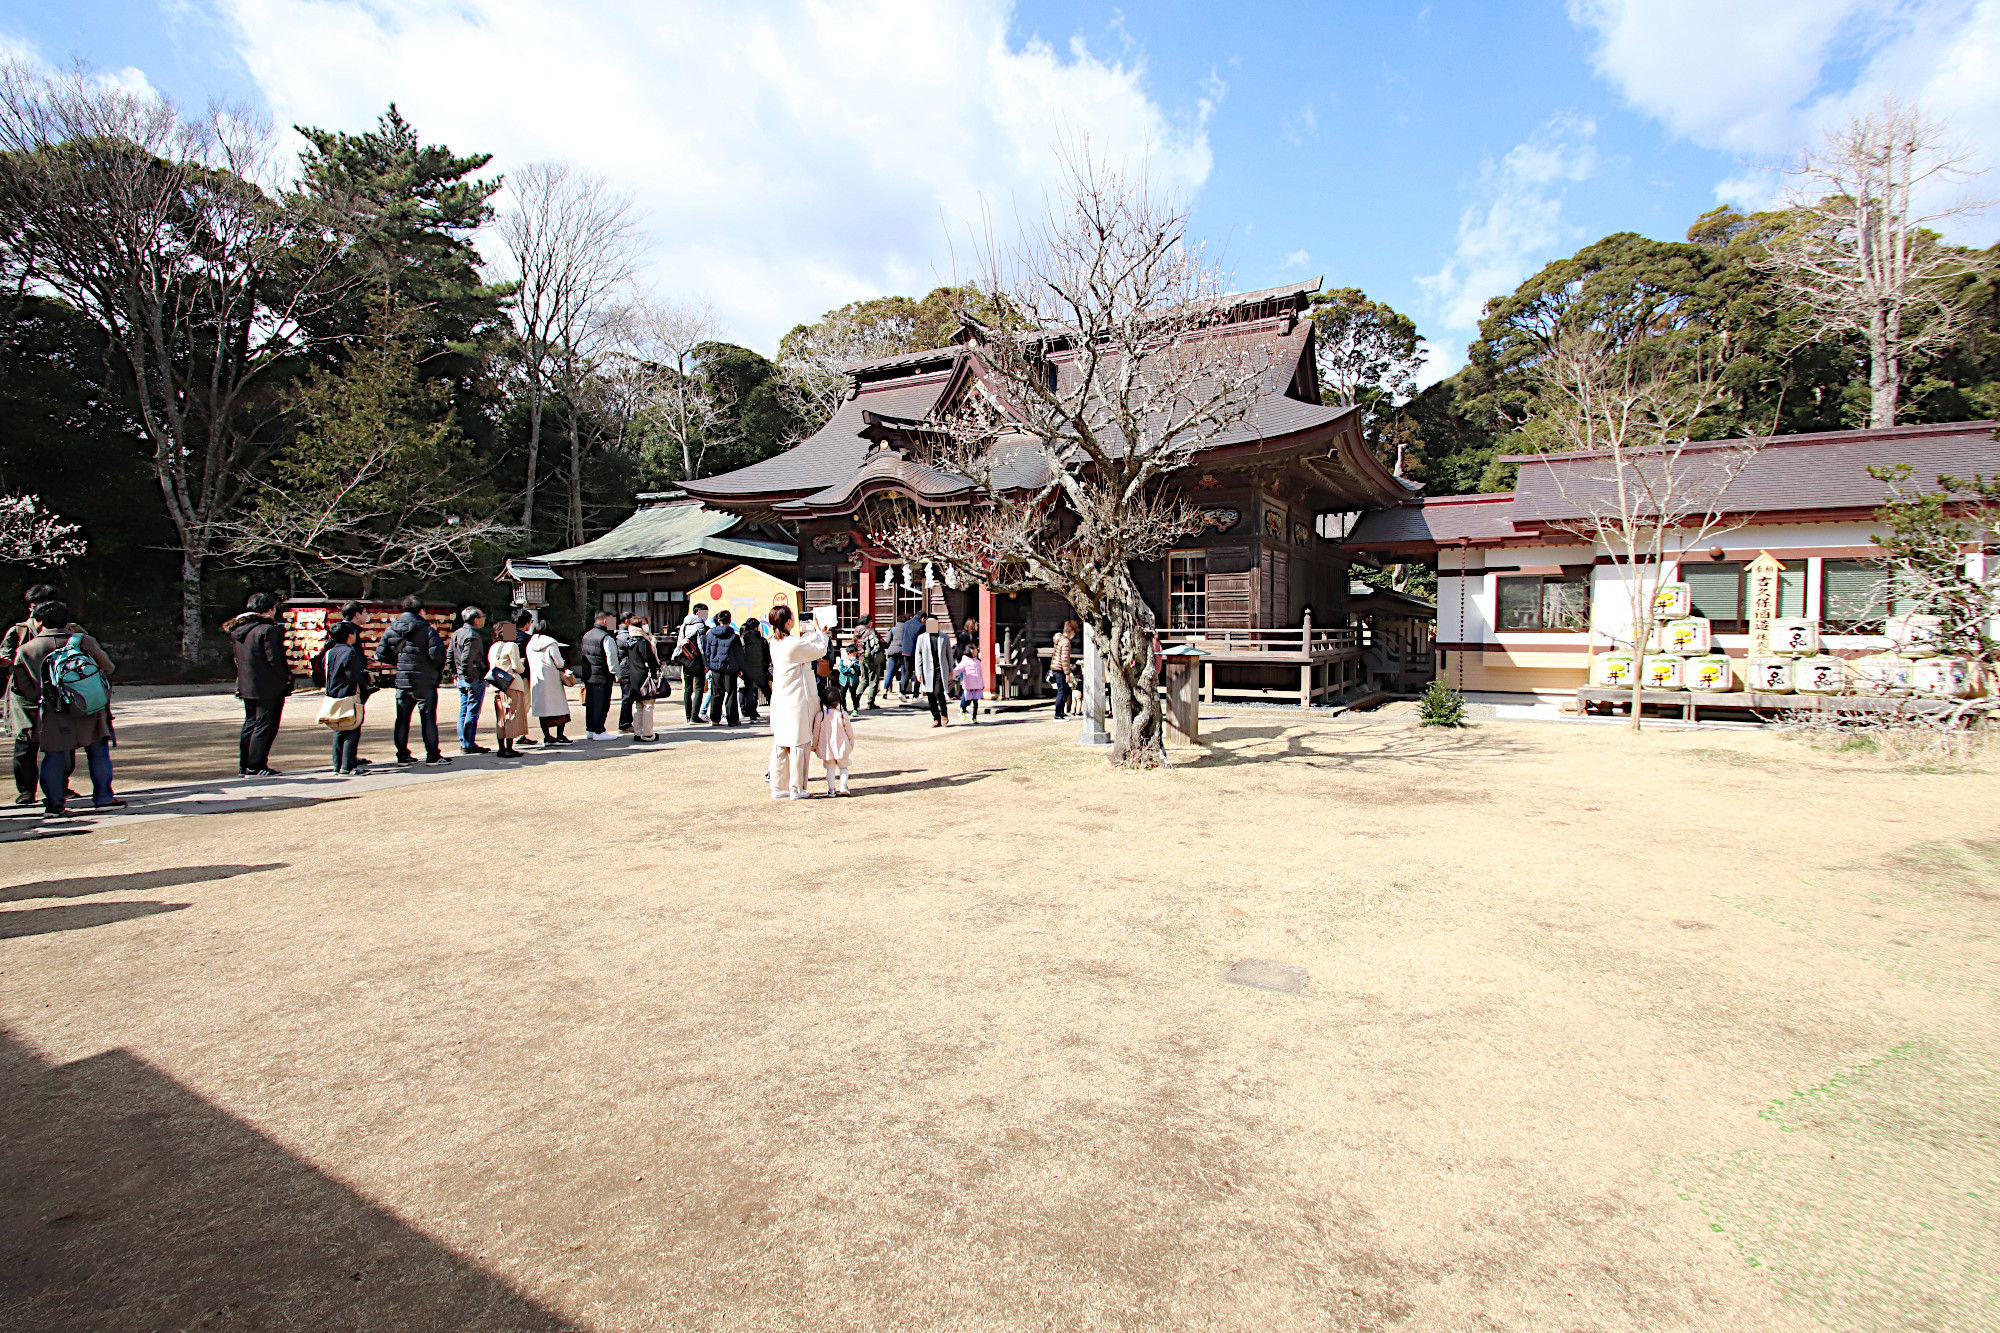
1695,1031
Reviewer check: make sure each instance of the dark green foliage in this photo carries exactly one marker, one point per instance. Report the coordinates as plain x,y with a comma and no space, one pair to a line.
67,435
413,210
1440,706
1780,380
1369,356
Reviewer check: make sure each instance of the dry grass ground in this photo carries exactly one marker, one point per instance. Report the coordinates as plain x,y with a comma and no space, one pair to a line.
1688,1031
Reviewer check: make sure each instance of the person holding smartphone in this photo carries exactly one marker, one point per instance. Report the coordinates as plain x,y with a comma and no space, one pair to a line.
794,696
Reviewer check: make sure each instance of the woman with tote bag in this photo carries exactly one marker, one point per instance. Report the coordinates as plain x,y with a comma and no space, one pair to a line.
347,683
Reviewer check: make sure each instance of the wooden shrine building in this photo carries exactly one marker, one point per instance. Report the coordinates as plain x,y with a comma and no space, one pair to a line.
1263,587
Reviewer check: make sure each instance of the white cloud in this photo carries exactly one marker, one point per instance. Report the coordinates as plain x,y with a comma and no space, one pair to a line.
1762,79
1298,259
789,157
1514,228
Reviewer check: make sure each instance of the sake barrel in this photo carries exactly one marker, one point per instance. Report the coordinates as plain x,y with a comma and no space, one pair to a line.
1915,636
1946,677
1615,669
1663,673
1820,675
1884,673
1713,674
1795,638
1770,675
1689,637
1672,600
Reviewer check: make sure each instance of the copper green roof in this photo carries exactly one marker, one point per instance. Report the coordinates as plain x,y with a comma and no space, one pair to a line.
660,532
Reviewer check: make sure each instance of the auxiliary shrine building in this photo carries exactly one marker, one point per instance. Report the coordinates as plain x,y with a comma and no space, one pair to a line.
1526,602
1278,490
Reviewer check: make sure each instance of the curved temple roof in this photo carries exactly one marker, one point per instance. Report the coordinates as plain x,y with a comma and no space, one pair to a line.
855,454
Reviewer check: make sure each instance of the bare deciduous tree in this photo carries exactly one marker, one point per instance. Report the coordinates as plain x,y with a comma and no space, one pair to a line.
31,535
155,227
1624,403
1861,258
573,243
677,414
1101,379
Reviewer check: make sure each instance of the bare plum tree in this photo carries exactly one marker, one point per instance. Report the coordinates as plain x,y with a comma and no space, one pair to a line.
1098,381
1862,256
31,535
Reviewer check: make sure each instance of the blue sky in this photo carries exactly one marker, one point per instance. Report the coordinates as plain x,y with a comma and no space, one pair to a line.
795,154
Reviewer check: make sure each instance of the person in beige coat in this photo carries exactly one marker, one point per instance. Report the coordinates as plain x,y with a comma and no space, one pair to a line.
510,706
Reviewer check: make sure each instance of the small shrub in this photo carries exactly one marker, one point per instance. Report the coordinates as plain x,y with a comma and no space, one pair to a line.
1440,706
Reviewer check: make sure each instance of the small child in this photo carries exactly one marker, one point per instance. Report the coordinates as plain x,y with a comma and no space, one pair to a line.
971,680
833,742
847,675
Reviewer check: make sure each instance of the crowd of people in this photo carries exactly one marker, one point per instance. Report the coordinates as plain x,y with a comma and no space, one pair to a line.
810,676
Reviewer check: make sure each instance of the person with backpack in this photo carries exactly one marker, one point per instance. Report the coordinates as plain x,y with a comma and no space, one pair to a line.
466,657
868,647
417,652
687,652
66,674
722,650
263,682
20,720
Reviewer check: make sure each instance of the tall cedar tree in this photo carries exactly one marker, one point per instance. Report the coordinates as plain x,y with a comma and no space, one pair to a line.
378,481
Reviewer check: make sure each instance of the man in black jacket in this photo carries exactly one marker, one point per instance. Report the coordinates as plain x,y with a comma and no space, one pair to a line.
468,667
415,650
756,667
263,680
722,650
596,673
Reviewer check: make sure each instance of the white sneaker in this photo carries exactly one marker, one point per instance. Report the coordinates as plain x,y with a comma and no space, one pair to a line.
599,736
781,796
801,796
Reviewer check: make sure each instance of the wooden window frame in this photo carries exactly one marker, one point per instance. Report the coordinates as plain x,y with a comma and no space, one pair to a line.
1197,597
847,596
1582,580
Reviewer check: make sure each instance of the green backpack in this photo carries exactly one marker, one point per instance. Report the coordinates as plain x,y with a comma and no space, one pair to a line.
76,680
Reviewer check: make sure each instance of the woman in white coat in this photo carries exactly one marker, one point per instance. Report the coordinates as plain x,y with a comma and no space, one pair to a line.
794,701
548,693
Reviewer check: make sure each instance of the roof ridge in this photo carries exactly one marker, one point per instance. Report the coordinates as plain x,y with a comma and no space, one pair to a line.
1853,436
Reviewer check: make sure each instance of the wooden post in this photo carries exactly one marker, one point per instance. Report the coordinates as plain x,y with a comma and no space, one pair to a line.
867,611
1306,684
989,661
1208,682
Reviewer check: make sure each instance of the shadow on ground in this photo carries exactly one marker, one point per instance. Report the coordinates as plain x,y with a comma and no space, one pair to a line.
77,916
132,1204
83,886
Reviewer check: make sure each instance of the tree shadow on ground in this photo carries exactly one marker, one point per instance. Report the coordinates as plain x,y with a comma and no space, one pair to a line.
932,784
1356,748
141,881
132,1204
77,916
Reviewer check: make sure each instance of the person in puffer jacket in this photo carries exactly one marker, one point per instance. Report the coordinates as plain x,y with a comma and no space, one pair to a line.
722,652
263,680
415,650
